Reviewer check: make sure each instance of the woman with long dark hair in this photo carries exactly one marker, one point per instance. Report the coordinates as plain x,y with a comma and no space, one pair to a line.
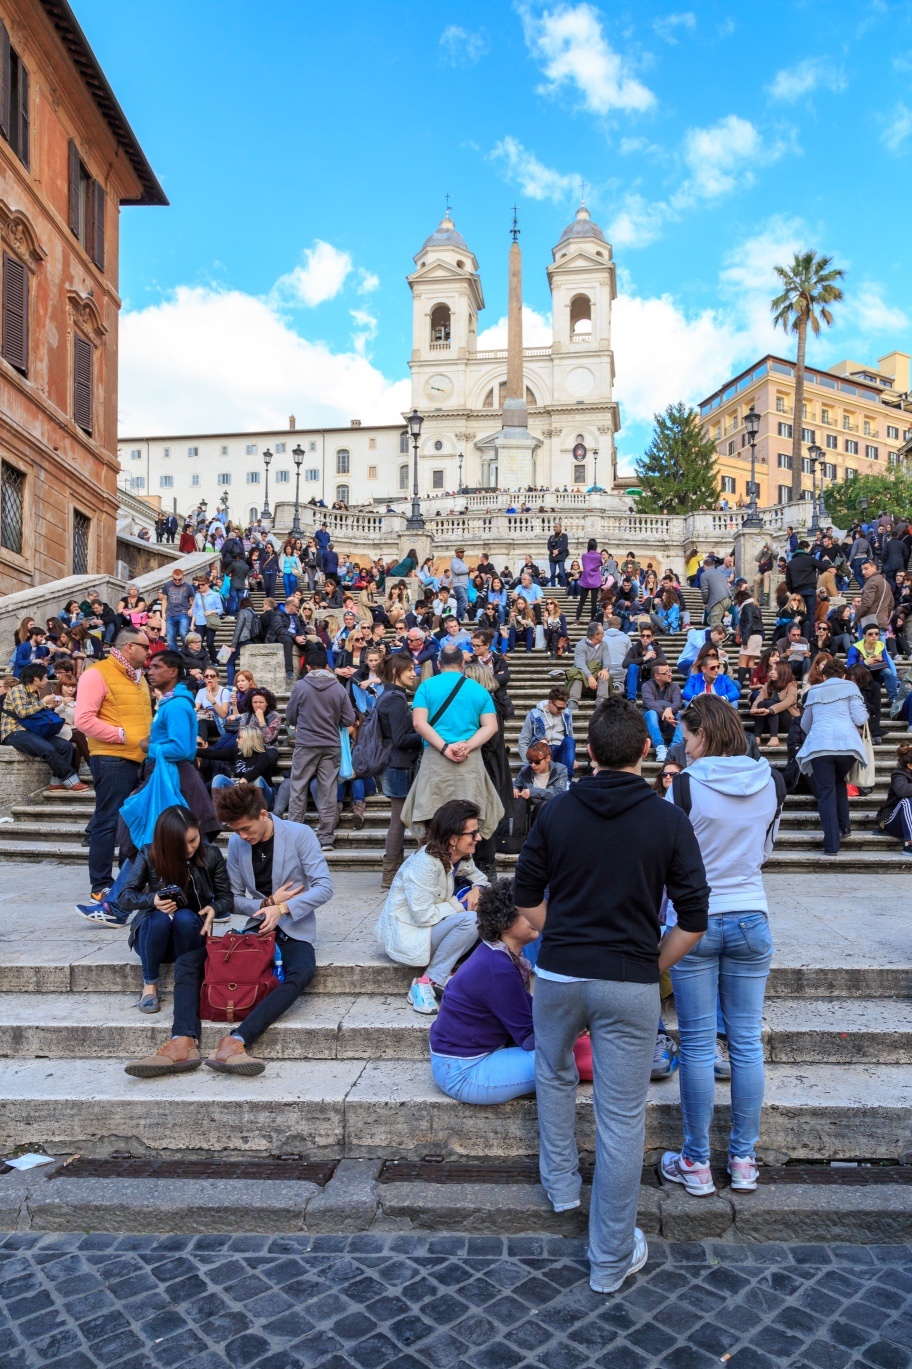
424,921
177,887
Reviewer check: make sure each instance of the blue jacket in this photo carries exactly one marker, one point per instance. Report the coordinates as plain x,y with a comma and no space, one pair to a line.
725,687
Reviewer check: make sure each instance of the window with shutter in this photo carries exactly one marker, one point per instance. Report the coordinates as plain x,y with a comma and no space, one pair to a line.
75,187
96,243
14,342
14,98
24,148
83,359
6,83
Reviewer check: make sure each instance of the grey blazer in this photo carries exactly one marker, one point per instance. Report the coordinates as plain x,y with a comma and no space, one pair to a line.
296,858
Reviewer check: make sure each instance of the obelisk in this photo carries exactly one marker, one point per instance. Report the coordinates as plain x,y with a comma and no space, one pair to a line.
515,413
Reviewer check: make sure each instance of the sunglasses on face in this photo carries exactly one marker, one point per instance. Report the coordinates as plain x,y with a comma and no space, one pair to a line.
474,835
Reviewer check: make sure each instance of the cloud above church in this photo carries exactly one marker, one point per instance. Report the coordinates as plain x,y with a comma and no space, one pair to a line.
521,167
570,44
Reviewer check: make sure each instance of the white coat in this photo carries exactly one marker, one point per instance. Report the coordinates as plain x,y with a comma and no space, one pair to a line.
421,896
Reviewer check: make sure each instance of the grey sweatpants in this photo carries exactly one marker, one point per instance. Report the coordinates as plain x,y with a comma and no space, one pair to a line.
323,763
621,1019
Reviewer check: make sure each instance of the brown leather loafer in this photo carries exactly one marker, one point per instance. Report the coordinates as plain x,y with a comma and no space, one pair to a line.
230,1057
176,1056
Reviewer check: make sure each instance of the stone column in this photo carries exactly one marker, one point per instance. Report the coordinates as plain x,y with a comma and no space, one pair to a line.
748,542
515,414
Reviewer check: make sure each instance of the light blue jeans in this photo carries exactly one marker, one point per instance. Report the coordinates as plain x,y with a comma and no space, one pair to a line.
654,728
732,962
494,1078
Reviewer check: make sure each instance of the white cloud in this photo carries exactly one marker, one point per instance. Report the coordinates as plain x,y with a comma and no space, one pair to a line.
867,311
638,222
898,129
369,282
536,331
570,43
320,278
534,179
209,358
723,154
462,48
366,324
791,83
669,27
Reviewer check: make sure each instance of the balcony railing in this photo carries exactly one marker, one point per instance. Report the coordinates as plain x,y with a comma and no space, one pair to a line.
440,346
580,337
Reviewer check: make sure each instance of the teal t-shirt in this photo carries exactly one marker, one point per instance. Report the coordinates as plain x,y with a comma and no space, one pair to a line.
463,717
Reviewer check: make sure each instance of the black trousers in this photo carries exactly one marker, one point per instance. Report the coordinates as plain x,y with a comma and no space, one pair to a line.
582,601
829,776
299,962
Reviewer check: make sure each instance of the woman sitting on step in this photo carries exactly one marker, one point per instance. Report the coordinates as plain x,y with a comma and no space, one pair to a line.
482,1042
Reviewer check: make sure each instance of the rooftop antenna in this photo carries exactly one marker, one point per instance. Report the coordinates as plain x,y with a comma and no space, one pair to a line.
515,229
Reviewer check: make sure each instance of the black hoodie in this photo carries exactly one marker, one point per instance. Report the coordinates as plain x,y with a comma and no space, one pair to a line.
605,851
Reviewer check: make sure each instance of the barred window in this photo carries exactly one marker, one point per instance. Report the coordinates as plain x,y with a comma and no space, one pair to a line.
82,524
12,495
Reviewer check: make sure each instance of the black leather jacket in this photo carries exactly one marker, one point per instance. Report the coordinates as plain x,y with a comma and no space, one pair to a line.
209,886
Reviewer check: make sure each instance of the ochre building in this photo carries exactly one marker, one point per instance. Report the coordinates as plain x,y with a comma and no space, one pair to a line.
68,161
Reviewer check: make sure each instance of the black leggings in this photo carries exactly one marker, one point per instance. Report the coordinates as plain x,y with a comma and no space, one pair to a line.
582,601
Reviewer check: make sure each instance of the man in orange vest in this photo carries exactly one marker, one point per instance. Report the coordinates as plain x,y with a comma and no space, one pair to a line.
114,710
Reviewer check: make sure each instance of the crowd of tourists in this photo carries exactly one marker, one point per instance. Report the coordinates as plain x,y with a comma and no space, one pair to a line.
399,680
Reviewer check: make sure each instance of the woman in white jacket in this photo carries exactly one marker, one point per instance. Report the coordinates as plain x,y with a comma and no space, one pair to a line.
834,714
424,921
733,806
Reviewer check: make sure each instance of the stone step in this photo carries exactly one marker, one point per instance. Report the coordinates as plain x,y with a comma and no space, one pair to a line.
391,1108
322,1026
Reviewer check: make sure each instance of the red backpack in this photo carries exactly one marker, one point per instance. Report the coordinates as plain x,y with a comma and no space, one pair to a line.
238,976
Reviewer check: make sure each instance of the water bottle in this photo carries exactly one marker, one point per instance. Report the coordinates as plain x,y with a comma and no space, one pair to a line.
279,968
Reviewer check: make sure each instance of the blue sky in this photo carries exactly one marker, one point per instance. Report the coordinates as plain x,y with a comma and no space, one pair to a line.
306,150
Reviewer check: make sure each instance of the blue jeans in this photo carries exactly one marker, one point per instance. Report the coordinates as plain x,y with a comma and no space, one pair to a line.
290,583
115,779
494,1078
890,676
163,938
528,633
462,601
654,728
226,782
558,572
565,754
177,628
732,961
633,681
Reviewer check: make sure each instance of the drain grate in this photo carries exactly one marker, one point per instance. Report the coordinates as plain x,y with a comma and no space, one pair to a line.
526,1172
302,1171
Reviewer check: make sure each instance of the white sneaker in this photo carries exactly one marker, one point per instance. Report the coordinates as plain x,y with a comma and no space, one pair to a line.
637,1260
421,996
744,1173
661,753
697,1179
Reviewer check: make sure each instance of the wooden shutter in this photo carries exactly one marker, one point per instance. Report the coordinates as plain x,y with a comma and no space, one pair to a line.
6,83
14,344
74,180
83,358
96,242
23,113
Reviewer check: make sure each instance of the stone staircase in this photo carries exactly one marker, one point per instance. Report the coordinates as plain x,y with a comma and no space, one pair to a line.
348,1071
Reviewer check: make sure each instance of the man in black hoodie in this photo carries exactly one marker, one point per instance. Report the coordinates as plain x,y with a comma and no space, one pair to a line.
598,969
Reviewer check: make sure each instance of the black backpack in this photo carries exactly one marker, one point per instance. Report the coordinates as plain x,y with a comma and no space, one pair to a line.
371,751
683,799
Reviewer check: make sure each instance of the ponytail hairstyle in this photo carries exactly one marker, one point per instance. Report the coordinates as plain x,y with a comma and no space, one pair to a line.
904,755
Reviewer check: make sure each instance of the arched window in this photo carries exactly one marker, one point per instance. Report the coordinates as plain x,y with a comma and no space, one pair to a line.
403,477
580,315
254,515
403,444
343,494
343,461
440,324
488,401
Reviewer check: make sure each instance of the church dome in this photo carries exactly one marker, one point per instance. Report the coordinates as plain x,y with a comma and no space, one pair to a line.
446,236
582,227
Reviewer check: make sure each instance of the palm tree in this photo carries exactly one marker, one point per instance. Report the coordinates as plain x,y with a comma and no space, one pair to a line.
809,285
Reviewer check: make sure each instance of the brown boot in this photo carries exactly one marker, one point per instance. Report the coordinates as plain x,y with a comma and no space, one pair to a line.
390,866
176,1056
358,816
230,1057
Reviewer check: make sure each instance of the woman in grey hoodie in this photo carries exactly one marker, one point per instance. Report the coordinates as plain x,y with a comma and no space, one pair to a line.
834,714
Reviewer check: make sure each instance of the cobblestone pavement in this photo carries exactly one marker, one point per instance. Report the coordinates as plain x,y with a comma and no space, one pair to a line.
411,1301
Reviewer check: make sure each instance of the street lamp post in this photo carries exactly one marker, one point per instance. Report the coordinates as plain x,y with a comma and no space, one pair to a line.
267,460
298,457
461,459
816,454
863,505
415,521
752,424
595,468
812,458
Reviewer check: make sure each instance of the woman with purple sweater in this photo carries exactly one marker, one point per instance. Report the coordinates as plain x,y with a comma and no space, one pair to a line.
590,582
482,1042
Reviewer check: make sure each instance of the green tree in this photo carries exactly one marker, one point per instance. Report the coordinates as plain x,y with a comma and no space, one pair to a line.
892,492
809,286
678,470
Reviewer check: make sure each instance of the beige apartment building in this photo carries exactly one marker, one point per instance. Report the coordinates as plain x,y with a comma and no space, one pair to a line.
858,415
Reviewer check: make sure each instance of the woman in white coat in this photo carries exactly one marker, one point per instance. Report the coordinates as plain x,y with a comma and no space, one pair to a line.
833,718
425,921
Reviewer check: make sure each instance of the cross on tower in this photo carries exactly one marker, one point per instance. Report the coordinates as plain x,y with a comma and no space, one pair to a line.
582,192
447,198
515,229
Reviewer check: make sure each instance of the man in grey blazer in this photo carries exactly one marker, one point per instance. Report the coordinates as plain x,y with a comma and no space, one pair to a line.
278,874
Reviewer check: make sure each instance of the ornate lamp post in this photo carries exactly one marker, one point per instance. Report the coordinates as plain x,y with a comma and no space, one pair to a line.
298,456
752,424
267,460
415,521
224,501
812,458
459,488
595,483
203,507
816,455
863,505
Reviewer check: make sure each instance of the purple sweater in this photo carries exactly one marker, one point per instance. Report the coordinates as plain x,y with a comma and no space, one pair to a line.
591,577
485,1006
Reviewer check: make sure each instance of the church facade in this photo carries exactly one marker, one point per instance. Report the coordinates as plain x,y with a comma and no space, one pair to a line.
459,390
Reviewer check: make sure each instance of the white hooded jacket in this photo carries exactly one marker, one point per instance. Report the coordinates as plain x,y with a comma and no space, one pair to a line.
733,804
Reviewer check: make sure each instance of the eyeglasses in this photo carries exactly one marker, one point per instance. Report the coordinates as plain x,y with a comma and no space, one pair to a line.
475,834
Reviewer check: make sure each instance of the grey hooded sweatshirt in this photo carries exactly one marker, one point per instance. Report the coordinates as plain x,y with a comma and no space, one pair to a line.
317,707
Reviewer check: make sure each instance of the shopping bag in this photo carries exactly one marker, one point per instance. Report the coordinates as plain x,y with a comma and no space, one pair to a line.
143,809
346,770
